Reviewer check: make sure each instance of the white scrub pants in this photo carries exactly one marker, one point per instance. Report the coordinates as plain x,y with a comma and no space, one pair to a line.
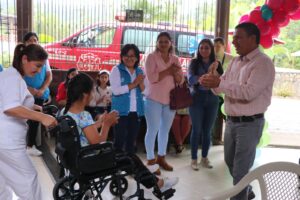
17,173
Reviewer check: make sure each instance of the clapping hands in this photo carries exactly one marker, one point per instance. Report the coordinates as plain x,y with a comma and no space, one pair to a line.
139,79
213,68
108,119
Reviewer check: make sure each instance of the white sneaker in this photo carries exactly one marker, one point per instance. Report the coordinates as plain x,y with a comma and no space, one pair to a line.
153,168
169,183
33,151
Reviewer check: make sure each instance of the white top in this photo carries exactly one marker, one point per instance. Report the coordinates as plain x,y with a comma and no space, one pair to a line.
102,95
48,68
13,93
117,89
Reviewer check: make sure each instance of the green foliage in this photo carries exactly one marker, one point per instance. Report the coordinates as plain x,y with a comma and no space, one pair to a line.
284,90
6,59
44,38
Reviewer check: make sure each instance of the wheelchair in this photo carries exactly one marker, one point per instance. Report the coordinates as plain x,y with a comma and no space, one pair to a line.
90,169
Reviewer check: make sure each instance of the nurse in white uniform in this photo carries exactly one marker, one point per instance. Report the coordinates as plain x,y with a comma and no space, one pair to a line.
17,172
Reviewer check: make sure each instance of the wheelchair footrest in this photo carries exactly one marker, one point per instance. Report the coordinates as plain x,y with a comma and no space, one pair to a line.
164,195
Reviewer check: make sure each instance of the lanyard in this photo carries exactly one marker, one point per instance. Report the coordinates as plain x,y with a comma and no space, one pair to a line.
223,59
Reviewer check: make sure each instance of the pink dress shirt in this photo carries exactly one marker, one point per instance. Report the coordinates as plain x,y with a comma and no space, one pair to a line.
247,84
159,90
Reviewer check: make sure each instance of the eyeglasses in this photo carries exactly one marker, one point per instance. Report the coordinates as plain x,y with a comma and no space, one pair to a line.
131,57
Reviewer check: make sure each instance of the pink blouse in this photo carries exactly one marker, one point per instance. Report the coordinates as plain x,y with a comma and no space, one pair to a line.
159,90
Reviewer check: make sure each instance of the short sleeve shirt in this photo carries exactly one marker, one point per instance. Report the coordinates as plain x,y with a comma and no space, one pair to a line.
38,80
83,120
13,93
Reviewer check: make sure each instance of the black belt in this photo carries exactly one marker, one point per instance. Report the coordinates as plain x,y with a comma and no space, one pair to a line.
245,118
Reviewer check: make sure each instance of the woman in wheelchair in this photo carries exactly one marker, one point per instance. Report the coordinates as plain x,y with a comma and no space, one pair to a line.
79,94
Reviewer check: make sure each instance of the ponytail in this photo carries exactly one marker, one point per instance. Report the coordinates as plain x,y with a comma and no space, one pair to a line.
68,105
17,60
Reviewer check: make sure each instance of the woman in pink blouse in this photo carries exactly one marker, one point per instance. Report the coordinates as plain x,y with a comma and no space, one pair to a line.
162,71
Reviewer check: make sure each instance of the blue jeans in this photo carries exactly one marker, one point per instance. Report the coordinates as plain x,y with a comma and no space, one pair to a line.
159,119
203,114
126,131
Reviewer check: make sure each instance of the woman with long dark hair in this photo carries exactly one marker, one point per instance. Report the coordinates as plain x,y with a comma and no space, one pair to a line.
79,94
204,109
17,172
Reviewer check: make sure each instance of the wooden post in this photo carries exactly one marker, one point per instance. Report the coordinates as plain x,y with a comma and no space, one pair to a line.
221,30
24,18
222,19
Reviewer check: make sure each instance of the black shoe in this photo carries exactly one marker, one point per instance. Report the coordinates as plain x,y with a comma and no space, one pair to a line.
251,195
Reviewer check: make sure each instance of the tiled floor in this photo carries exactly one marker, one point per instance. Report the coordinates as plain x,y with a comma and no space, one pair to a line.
192,185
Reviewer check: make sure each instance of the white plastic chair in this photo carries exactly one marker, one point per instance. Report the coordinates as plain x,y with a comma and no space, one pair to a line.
277,181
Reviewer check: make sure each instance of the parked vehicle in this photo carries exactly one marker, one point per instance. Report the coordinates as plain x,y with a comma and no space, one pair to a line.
98,47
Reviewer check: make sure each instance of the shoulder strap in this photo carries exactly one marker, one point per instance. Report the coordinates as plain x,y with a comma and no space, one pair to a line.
223,60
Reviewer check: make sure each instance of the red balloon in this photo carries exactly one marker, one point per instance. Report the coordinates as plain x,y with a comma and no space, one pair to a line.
266,41
286,22
264,28
291,6
255,16
275,31
275,4
296,15
244,18
280,18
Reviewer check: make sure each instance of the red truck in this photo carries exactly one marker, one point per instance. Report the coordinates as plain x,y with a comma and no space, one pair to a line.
98,46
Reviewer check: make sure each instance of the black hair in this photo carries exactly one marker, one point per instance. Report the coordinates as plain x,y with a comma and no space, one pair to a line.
199,60
78,86
67,79
219,39
34,52
165,34
136,50
250,29
28,35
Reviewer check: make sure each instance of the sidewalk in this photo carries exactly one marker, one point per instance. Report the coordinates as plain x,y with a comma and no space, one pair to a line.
283,116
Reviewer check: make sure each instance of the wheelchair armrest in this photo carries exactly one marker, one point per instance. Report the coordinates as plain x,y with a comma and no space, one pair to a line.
101,146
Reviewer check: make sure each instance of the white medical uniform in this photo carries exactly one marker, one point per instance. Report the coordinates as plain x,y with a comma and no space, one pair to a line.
16,169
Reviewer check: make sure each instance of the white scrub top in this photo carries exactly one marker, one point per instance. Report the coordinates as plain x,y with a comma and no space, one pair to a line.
13,93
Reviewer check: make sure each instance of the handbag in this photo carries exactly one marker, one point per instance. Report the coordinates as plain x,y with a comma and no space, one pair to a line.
180,97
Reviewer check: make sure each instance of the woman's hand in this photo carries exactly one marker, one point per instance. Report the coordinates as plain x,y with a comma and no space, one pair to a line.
178,78
213,68
110,119
174,69
48,121
37,108
139,79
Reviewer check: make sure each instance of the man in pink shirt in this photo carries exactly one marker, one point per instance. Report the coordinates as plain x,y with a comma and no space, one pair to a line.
247,85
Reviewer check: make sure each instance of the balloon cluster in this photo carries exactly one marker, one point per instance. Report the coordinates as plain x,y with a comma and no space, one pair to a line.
270,17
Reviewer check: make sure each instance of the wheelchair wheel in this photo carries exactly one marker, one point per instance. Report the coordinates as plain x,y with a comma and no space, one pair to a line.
67,189
114,188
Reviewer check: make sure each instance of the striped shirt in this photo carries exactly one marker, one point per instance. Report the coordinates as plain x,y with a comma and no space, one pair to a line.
247,84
